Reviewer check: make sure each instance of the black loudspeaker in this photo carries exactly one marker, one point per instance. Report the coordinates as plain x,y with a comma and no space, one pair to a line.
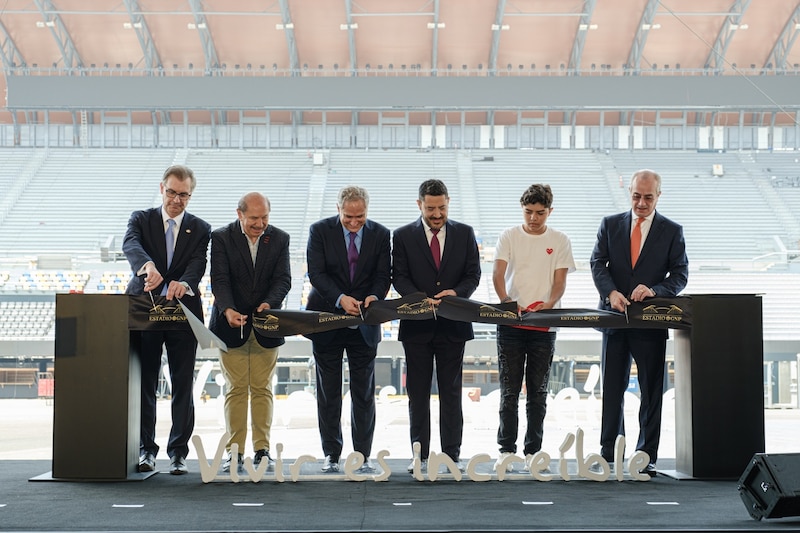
770,485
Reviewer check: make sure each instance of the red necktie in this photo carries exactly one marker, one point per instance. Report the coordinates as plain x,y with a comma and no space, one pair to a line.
435,250
636,241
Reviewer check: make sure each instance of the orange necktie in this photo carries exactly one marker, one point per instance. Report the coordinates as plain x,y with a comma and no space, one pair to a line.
636,241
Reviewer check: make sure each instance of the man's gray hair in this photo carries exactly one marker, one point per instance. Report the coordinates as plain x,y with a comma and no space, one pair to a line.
647,173
352,193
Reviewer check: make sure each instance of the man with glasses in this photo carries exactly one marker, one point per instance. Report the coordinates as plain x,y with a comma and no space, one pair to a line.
166,248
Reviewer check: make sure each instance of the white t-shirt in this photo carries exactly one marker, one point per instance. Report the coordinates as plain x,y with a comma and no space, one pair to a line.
532,262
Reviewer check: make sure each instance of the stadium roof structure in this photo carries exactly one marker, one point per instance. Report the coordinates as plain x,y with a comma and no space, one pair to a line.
65,55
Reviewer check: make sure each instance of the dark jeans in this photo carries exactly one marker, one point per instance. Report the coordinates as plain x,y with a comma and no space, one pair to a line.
521,353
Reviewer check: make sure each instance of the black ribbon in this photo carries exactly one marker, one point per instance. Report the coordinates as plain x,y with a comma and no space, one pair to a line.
160,314
155,313
285,322
653,313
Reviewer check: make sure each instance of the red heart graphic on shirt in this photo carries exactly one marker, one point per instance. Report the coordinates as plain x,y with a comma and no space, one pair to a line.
549,251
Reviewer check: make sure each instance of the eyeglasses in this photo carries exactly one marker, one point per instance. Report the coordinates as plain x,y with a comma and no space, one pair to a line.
182,195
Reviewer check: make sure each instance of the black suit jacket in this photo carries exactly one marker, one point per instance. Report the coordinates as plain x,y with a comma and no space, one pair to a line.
144,241
329,271
662,264
239,285
414,271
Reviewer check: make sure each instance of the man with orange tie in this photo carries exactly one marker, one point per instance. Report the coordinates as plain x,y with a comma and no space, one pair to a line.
638,254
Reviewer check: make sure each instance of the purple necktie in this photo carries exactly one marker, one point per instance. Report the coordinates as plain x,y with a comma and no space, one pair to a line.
435,250
352,255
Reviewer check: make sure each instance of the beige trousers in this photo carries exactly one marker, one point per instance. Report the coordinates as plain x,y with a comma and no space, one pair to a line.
248,372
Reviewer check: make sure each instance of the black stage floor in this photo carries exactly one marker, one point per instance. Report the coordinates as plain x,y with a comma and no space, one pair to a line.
185,503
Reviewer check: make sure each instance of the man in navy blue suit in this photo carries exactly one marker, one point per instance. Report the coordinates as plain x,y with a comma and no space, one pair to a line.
349,266
639,254
174,273
439,257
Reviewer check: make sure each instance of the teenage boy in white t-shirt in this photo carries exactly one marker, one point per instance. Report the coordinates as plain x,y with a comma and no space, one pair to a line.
530,267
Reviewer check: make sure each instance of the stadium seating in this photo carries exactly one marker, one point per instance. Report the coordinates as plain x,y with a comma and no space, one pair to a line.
741,226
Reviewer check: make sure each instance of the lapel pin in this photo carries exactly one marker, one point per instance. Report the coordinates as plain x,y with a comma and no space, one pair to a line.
188,231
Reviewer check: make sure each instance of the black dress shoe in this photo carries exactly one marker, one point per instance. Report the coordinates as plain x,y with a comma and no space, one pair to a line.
650,470
147,462
178,466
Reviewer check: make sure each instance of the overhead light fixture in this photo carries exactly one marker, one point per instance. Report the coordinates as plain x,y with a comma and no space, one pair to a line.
50,24
191,26
733,27
130,26
435,25
287,26
498,27
584,27
201,26
353,26
797,26
651,26
39,24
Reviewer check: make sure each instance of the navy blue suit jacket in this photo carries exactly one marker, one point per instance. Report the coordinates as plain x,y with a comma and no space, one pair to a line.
414,271
239,285
144,241
329,271
662,264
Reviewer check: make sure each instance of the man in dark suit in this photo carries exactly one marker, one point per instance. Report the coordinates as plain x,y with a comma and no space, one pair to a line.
166,248
639,254
439,257
250,272
349,266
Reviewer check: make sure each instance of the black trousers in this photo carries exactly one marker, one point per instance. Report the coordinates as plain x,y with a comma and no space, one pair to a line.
448,356
181,353
361,362
647,349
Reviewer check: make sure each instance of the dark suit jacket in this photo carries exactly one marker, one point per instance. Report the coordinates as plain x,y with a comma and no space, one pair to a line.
144,241
414,271
662,264
329,271
238,285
